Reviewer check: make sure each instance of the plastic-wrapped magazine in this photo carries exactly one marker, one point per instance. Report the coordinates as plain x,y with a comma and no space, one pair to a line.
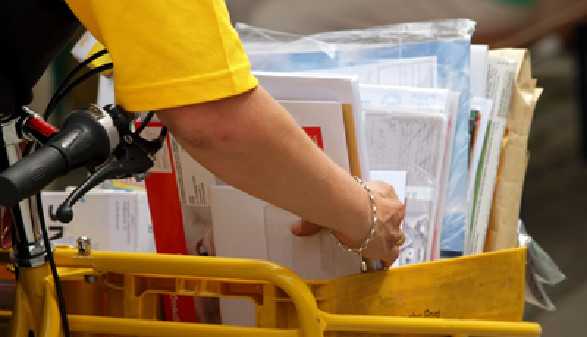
442,101
412,140
441,45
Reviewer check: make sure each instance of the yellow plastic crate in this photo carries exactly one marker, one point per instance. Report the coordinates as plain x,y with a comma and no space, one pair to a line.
486,287
118,294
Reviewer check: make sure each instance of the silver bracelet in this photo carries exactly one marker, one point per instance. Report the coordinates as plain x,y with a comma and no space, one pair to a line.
359,251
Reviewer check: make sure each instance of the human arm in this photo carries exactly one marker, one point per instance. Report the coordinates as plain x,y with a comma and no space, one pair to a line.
223,119
252,143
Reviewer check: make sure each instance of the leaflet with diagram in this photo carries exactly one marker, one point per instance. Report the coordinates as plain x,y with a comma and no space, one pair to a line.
412,140
500,81
441,101
478,70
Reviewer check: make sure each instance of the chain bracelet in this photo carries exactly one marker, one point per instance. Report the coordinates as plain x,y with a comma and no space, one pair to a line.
359,251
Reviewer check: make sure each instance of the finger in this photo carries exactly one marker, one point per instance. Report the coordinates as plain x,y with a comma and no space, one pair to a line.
397,216
304,228
389,191
395,240
401,212
401,240
392,255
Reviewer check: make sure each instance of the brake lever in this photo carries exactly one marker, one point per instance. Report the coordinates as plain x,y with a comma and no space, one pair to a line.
131,158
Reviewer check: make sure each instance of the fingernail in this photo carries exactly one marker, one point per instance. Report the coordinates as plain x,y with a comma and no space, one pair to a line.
296,227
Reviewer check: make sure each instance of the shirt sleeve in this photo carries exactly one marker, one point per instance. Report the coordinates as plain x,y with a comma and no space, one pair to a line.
168,53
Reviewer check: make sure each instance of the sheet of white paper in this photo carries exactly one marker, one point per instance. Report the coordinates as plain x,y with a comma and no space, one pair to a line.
315,257
323,121
399,139
115,220
478,73
238,223
412,140
397,179
250,228
192,178
445,102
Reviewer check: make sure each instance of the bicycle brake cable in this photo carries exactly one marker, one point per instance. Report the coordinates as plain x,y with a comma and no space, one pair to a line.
65,87
56,281
59,94
64,84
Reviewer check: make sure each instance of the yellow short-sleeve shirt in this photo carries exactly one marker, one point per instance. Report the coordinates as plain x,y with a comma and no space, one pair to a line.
168,53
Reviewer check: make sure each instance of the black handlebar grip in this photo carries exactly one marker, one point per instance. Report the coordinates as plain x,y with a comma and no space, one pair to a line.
30,174
87,138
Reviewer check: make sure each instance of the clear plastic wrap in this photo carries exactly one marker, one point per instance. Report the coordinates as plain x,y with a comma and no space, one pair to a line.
540,270
447,41
407,129
411,140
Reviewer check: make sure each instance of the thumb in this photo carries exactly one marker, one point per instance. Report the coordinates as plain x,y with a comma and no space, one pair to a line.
304,228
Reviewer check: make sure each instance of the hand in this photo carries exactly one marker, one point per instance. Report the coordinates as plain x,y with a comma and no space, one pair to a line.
388,235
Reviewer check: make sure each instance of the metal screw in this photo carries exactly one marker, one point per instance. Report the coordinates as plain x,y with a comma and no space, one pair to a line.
141,176
84,245
90,279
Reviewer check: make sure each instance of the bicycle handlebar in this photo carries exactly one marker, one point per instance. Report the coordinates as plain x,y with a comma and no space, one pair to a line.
30,175
88,137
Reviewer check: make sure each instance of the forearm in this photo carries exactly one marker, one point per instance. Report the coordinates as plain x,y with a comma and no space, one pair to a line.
252,143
